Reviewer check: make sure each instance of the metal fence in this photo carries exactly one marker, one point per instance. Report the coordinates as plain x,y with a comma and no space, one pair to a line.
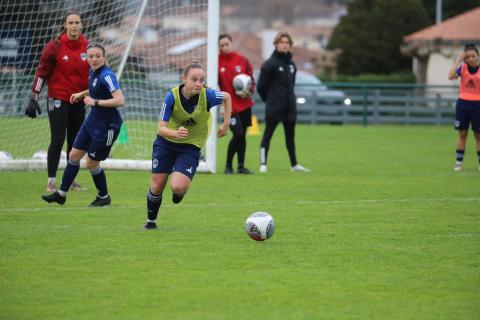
369,103
372,103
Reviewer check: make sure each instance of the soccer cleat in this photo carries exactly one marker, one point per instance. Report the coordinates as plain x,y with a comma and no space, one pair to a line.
150,225
76,186
458,167
100,202
300,168
243,170
228,170
263,168
51,187
176,198
54,197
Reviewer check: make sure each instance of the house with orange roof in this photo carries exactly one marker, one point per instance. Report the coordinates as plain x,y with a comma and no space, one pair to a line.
434,48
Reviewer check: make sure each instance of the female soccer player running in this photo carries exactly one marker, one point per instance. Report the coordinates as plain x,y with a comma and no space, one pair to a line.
468,104
98,132
181,133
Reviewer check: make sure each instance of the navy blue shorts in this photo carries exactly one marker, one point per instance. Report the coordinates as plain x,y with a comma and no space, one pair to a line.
168,156
97,150
467,112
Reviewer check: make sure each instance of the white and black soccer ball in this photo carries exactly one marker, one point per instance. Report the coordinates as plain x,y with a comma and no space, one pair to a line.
260,226
242,84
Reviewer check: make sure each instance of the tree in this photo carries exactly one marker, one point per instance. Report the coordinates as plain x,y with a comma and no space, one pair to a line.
371,33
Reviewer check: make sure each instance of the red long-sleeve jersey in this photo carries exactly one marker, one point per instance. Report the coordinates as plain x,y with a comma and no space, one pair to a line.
229,65
63,66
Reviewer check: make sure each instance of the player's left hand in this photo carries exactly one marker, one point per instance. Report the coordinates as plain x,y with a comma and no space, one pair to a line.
222,131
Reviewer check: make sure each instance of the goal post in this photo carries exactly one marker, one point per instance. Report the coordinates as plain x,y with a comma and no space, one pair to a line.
148,42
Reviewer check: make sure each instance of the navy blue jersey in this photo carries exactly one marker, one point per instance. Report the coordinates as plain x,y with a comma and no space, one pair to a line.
214,98
101,83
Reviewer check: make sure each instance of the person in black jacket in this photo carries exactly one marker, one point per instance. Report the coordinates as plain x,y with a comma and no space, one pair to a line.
276,87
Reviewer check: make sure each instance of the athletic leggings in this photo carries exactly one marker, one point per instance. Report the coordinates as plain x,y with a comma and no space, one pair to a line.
289,128
65,121
238,144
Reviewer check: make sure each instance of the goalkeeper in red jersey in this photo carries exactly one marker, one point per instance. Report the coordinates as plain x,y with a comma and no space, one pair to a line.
63,67
231,64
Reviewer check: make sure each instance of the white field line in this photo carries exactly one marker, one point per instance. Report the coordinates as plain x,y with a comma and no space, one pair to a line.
54,207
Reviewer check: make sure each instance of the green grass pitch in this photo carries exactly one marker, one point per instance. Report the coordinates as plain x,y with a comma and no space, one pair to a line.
382,228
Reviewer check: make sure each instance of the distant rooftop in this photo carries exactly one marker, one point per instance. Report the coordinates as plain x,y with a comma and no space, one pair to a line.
465,26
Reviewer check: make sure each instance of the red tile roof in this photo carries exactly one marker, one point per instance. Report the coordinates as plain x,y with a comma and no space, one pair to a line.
465,26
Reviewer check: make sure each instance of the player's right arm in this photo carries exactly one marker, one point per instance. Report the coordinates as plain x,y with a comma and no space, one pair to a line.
45,67
164,131
165,115
453,72
44,70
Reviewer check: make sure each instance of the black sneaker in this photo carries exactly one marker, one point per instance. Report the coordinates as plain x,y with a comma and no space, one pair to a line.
228,170
54,197
244,170
150,225
176,198
100,202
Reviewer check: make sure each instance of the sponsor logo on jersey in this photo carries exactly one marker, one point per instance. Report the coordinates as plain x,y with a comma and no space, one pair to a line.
83,56
280,68
155,163
222,69
238,68
292,68
65,57
189,122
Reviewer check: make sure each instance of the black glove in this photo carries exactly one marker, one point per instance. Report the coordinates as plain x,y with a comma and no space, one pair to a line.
33,108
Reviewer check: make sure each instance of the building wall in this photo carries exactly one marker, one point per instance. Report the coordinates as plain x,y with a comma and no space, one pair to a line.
438,67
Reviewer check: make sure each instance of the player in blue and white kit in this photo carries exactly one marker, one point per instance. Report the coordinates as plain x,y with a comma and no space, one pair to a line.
182,130
98,132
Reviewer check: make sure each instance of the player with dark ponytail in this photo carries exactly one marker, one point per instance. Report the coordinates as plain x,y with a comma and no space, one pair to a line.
468,104
99,131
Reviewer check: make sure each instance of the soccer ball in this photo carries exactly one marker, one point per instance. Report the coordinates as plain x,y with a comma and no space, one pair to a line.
260,226
242,84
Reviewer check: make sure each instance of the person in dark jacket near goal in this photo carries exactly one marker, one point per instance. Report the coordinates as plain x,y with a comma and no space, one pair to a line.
276,87
63,67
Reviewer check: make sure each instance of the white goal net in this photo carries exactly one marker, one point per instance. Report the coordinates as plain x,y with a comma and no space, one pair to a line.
148,42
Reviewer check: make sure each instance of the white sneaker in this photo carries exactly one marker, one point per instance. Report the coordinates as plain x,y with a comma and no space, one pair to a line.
263,168
298,167
458,167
